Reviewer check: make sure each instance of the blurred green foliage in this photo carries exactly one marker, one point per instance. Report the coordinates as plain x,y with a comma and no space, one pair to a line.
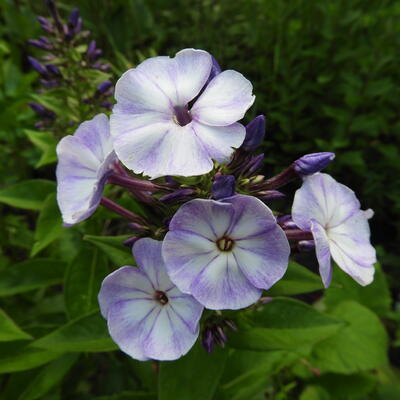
326,75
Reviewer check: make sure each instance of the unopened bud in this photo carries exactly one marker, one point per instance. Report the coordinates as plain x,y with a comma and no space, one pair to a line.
311,163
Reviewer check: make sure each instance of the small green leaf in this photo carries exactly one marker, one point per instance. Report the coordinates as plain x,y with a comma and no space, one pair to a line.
29,194
46,143
49,225
48,377
113,248
194,376
17,358
9,330
375,296
297,280
31,274
87,334
359,346
82,281
284,324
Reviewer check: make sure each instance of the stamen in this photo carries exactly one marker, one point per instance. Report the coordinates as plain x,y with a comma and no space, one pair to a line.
225,243
161,297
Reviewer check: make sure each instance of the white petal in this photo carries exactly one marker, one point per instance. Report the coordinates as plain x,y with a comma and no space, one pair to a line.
225,100
123,284
220,141
323,199
322,252
163,149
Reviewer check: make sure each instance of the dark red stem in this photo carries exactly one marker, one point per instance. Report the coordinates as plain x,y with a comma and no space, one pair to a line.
123,212
298,234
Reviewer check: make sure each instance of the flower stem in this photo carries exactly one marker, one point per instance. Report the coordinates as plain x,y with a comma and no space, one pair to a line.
123,212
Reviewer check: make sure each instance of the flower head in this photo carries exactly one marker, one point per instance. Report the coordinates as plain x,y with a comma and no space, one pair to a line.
332,213
84,162
225,252
158,131
147,316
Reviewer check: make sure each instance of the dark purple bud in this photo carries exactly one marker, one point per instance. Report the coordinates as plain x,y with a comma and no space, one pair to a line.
91,48
312,163
100,66
37,66
103,87
286,222
255,132
41,44
131,241
215,69
53,70
230,324
41,111
49,84
267,195
45,24
78,26
306,245
73,18
207,340
223,186
40,124
106,104
252,165
178,196
54,13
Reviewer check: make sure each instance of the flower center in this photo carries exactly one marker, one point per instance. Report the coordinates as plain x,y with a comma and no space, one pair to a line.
161,297
225,243
182,115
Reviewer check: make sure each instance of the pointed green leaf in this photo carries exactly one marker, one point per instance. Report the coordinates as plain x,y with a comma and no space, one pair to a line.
31,274
9,330
83,280
49,225
29,194
48,377
194,376
113,248
87,334
297,280
284,324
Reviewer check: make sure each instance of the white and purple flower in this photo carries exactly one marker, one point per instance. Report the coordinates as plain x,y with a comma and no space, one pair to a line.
84,163
331,211
158,131
225,252
147,316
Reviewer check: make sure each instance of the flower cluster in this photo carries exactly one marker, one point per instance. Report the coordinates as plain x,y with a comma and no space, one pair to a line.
213,241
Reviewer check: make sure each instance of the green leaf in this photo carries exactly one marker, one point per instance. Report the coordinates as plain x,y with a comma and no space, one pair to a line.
297,280
314,392
29,194
87,334
248,373
129,396
83,280
16,358
49,225
194,376
113,248
284,324
46,143
9,330
375,296
31,274
48,377
359,346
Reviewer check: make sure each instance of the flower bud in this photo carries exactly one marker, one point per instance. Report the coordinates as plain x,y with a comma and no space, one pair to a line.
255,132
268,195
53,70
103,87
252,165
178,196
311,163
37,66
223,186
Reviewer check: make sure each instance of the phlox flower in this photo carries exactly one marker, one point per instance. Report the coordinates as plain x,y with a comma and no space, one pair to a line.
85,160
170,119
331,211
225,252
147,316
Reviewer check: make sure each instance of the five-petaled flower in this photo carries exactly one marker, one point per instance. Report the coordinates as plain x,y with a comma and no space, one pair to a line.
225,252
171,120
147,316
84,163
332,213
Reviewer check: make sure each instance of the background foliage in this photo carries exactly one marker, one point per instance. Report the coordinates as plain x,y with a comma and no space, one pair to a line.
326,75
